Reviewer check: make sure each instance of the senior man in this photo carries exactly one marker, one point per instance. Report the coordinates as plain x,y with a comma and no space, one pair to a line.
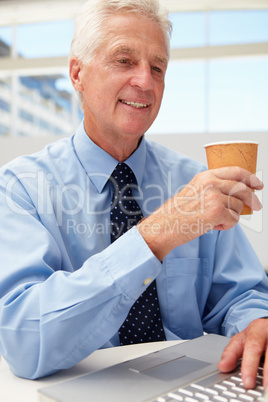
73,277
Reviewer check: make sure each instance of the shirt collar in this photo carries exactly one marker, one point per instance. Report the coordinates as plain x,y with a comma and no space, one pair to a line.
99,165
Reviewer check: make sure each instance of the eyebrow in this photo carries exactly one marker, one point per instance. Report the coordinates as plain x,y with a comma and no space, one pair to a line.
127,50
123,49
162,60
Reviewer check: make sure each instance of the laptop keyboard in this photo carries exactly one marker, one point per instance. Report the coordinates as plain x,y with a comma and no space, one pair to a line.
229,389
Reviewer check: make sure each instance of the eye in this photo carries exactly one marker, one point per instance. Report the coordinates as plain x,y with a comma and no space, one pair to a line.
123,61
157,69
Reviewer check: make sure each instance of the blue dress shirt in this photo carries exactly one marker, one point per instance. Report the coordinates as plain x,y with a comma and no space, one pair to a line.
65,290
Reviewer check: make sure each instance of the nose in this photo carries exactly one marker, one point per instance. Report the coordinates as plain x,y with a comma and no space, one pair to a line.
142,77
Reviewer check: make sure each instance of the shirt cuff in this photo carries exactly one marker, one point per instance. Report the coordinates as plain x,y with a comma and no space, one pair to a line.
131,263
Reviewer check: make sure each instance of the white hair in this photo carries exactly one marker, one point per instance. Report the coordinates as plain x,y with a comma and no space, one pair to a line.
90,24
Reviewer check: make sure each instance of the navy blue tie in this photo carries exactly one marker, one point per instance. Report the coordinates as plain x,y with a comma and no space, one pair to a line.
143,323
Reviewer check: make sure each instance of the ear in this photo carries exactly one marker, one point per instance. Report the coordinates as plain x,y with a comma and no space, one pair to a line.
75,67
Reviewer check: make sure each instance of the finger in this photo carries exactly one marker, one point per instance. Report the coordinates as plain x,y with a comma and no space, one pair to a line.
264,322
238,190
256,344
254,347
236,173
235,201
242,192
265,370
232,353
234,205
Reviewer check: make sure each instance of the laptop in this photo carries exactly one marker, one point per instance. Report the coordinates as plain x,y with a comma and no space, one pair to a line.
183,372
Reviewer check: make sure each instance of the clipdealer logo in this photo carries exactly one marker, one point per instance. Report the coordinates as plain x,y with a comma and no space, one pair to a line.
69,200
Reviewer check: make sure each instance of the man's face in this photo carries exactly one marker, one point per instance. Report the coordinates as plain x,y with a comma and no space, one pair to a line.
123,86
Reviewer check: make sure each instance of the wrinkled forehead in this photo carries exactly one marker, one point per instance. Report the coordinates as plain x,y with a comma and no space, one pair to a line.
129,32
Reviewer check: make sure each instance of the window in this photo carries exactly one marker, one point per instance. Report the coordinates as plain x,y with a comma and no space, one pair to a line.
233,27
217,79
183,105
238,95
5,41
189,29
215,85
50,39
45,104
4,105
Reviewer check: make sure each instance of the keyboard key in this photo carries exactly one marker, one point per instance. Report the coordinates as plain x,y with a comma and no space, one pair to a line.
175,397
228,383
166,398
260,388
239,390
235,379
185,392
211,391
201,396
229,394
220,387
245,397
206,394
254,392
197,386
220,398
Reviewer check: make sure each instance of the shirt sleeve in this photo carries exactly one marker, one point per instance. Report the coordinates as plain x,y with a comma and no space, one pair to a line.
239,291
50,318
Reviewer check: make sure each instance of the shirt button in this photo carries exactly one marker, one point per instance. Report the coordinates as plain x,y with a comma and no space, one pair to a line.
147,281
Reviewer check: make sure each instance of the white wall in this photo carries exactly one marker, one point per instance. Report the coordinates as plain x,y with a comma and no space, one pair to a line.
255,226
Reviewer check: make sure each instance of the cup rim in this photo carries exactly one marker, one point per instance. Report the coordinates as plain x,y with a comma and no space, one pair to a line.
230,142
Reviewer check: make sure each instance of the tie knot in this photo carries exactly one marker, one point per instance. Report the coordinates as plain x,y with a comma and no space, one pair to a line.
123,176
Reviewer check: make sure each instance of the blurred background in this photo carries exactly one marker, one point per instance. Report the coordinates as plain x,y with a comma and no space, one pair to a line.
216,83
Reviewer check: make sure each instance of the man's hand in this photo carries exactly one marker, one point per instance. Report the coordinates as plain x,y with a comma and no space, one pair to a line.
249,345
211,200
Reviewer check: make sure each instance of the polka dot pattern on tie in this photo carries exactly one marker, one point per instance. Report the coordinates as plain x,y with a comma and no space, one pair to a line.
143,323
125,212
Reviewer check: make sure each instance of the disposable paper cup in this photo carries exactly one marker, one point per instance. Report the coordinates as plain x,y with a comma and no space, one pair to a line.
233,153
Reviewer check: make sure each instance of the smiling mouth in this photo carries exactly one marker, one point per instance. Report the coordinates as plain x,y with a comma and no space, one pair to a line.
135,104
